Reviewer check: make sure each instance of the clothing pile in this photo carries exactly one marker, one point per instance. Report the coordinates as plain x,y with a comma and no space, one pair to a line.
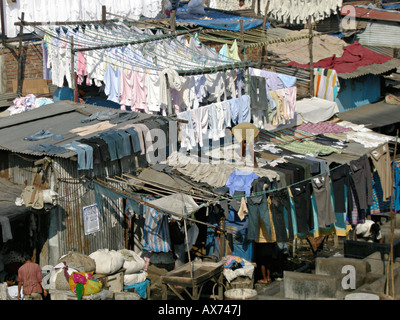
27,103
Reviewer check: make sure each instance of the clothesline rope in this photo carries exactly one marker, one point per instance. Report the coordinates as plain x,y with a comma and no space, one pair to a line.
217,199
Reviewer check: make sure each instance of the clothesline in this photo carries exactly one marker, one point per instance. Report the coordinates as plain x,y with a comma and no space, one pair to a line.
146,203
217,199
192,62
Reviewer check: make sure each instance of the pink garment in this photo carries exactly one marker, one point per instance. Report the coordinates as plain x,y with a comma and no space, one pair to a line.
30,275
127,94
140,89
81,66
322,127
79,278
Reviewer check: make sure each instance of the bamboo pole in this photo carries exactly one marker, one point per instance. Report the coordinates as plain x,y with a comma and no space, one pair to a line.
264,35
140,201
390,264
310,47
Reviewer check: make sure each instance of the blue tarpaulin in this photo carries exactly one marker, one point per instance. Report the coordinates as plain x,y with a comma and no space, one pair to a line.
391,6
217,20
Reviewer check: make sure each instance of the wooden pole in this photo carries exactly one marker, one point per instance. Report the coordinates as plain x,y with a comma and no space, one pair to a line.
392,218
73,83
172,21
169,98
20,56
310,47
103,14
242,48
3,31
264,35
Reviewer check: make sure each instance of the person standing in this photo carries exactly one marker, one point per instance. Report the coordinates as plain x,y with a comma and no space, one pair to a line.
30,277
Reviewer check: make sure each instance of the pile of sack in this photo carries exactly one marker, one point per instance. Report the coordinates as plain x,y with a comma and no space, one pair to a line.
75,267
110,261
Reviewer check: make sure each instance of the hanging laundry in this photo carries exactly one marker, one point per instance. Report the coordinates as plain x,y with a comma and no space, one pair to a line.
322,193
240,109
174,82
200,119
156,235
301,195
326,84
127,96
84,152
260,107
240,181
282,215
230,52
112,83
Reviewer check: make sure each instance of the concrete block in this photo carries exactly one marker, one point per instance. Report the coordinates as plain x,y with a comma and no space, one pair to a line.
334,265
377,265
386,235
306,286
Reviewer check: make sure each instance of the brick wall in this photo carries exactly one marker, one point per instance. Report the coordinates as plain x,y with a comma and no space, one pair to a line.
32,64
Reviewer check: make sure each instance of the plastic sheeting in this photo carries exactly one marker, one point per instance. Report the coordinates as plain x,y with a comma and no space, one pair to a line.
181,204
216,20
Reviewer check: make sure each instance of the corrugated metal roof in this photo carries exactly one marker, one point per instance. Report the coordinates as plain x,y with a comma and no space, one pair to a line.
378,33
249,36
368,13
373,115
376,69
59,118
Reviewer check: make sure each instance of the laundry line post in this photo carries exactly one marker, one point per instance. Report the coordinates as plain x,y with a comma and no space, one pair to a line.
172,21
73,83
390,263
20,71
103,14
310,47
264,35
169,98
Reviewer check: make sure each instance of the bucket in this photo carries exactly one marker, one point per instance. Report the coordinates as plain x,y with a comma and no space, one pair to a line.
240,294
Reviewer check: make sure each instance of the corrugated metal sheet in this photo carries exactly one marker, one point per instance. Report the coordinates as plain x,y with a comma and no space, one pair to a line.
74,195
375,69
59,118
380,34
367,13
383,50
373,115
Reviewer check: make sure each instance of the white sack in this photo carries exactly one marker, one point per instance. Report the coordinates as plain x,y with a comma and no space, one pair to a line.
107,261
133,262
134,278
